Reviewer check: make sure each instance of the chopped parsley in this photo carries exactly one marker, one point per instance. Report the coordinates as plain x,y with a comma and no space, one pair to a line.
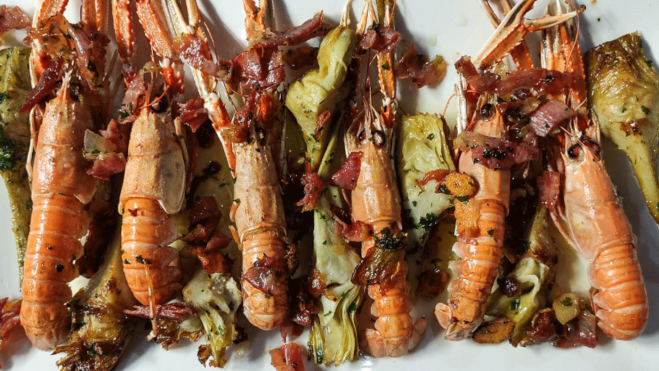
463,199
515,304
428,221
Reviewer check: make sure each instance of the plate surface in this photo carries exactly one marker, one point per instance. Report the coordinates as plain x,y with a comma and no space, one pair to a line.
451,29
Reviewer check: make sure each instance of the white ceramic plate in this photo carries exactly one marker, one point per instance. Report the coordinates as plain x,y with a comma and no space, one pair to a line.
449,28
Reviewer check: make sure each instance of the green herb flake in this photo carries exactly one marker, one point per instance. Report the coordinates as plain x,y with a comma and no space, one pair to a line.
463,199
567,301
319,354
490,232
515,304
428,221
431,136
645,110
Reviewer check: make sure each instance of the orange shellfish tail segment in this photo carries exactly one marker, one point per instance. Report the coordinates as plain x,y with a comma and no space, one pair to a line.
476,270
621,299
53,244
146,231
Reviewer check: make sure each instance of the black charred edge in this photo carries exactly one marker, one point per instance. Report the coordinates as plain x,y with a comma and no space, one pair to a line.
169,332
101,356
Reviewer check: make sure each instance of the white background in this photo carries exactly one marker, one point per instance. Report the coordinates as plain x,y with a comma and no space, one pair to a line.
449,28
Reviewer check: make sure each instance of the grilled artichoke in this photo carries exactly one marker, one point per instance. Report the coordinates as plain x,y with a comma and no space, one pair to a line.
100,328
623,88
322,90
333,337
422,148
534,272
15,141
216,297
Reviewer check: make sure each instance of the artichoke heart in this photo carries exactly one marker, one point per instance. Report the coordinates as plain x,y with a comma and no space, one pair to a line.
623,88
322,90
422,148
15,141
333,337
534,272
100,328
216,297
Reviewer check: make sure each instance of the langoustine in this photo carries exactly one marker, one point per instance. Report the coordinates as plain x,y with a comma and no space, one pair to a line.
252,143
488,153
155,177
590,214
376,206
61,187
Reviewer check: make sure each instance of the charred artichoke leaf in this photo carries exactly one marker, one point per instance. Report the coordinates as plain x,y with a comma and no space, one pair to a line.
321,90
333,337
623,88
422,148
15,142
534,272
216,297
100,330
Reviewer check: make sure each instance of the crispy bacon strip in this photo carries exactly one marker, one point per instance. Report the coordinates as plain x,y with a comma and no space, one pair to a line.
355,232
210,255
301,57
313,187
313,27
287,358
346,177
480,82
303,304
323,118
551,113
538,80
47,83
380,39
177,311
258,69
417,67
268,275
549,186
193,113
106,165
496,153
204,208
9,319
196,52
12,18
